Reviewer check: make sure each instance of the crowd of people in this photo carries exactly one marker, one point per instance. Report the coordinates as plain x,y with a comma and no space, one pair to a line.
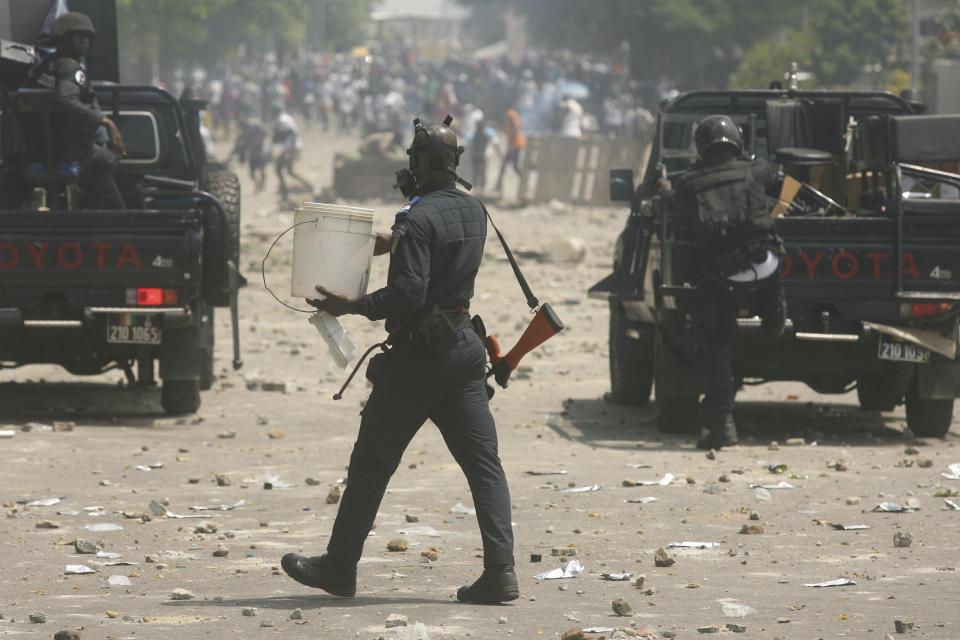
494,103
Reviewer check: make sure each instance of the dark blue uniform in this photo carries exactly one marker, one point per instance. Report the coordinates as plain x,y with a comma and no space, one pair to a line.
78,103
437,249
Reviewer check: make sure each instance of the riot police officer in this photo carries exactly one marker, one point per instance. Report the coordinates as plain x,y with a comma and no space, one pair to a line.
721,206
89,129
435,370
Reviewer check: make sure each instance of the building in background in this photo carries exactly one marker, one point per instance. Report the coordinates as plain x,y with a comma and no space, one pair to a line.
431,28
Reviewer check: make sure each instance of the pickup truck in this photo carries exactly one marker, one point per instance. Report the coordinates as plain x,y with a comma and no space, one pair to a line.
136,289
866,200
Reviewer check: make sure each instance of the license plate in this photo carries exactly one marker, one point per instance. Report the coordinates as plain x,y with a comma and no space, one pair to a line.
890,349
131,328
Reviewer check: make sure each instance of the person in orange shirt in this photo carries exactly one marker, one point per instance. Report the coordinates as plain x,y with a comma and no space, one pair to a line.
515,143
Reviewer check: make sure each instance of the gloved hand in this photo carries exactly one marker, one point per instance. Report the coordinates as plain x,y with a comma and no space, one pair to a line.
333,303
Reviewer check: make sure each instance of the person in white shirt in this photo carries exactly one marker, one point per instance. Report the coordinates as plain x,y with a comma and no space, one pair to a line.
287,136
570,124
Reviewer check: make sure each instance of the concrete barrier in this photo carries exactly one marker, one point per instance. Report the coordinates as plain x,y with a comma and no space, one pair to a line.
576,170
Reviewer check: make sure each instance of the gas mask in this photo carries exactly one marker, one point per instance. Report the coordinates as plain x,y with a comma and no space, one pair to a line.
433,151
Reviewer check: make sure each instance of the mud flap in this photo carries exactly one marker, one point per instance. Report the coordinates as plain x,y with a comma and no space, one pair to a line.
181,357
938,380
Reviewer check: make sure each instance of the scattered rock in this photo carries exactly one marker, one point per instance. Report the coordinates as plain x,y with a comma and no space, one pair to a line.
563,551
249,611
48,524
206,527
262,419
902,539
398,544
312,482
622,608
752,529
227,434
157,508
853,500
638,581
574,634
925,463
502,620
40,618
736,628
296,614
112,614
105,483
222,480
912,503
221,552
85,546
754,515
712,454
430,554
266,623
181,594
66,635
902,626
411,518
795,442
64,425
395,620
839,465
333,497
711,629
276,434
662,558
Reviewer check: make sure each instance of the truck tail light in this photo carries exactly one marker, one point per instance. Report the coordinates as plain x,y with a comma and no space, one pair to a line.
928,309
155,297
149,297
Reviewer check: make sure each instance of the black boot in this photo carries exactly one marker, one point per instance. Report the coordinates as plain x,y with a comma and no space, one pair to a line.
319,572
497,584
718,431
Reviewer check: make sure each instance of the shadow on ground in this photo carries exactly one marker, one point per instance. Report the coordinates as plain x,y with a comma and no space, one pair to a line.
603,424
87,403
307,602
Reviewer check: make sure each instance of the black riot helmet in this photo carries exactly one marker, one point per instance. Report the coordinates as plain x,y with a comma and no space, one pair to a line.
434,150
717,130
72,22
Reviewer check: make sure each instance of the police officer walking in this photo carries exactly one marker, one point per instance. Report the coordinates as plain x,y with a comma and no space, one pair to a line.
720,206
90,130
435,370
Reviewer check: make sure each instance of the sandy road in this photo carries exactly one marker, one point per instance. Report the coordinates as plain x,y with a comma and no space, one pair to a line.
552,418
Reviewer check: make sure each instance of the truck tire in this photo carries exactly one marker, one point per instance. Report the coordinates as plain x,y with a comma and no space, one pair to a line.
225,185
928,417
676,413
631,375
879,393
180,397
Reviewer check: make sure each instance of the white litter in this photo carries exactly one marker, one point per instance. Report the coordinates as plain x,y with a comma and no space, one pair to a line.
459,508
589,489
642,500
692,545
569,569
640,465
783,484
120,563
92,509
45,502
839,582
560,472
953,472
664,481
953,505
219,507
734,608
78,569
891,507
103,526
108,555
762,494
598,629
416,631
171,514
119,581
850,527
617,576
7,433
420,530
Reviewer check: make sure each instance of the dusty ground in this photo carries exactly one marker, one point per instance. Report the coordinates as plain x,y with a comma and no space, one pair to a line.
552,418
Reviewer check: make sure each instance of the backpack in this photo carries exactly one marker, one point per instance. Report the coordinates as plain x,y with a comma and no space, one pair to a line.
733,215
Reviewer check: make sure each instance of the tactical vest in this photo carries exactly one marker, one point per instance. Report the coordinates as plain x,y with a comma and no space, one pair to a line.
733,215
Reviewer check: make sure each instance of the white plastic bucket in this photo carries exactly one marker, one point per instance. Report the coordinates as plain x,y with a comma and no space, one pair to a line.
333,247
